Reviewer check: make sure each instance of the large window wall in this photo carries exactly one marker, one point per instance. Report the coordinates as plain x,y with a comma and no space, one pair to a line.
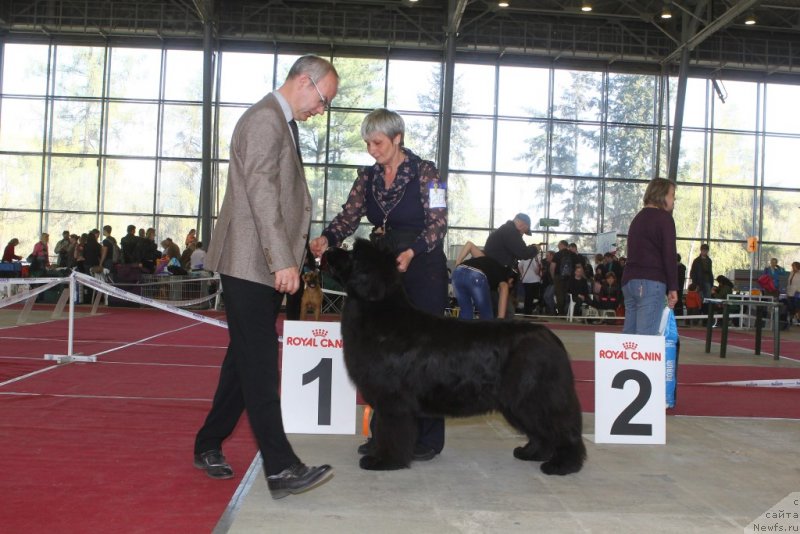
112,135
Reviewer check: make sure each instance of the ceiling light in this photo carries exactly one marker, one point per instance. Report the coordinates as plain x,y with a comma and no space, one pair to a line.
750,20
586,6
501,3
666,13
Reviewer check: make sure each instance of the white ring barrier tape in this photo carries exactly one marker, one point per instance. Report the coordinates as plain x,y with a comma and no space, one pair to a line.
19,297
108,289
332,292
775,383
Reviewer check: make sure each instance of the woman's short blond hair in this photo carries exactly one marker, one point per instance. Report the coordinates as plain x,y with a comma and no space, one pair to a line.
384,121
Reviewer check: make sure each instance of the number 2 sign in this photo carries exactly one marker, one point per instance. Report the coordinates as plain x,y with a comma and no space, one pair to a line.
629,389
317,396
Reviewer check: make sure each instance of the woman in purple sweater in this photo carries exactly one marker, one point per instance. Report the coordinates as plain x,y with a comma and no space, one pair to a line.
651,271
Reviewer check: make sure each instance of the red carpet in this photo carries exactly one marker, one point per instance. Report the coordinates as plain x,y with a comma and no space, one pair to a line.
107,447
695,397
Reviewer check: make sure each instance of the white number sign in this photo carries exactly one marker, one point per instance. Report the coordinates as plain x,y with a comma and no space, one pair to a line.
317,396
629,389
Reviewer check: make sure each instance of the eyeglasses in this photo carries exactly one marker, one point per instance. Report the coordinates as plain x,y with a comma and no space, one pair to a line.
324,101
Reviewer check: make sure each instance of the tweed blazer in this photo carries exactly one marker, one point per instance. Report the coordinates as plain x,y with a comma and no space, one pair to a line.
264,221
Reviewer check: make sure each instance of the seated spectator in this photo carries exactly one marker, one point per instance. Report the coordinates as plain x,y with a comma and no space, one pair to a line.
610,295
186,256
198,257
40,257
578,287
723,288
170,261
171,248
694,302
9,253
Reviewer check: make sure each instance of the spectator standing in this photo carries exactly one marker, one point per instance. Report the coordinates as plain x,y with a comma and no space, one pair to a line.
562,268
73,244
681,284
191,238
775,271
651,271
531,277
91,254
129,244
702,273
61,249
80,259
505,244
580,259
110,253
147,251
793,295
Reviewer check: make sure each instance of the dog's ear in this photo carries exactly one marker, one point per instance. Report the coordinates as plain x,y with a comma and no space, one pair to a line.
374,272
338,262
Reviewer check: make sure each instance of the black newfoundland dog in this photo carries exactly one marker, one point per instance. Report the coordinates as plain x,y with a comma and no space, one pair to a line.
406,363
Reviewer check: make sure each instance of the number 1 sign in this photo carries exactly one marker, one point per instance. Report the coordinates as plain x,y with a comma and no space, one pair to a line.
317,396
629,389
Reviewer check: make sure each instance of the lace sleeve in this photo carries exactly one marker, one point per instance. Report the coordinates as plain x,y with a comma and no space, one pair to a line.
433,191
346,222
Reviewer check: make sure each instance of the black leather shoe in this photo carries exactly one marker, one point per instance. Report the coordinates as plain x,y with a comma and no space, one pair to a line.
214,464
368,447
297,478
423,453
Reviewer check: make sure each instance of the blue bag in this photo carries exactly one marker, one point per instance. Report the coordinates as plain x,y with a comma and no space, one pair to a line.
669,329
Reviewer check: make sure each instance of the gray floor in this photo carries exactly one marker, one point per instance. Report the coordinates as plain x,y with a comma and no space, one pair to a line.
713,475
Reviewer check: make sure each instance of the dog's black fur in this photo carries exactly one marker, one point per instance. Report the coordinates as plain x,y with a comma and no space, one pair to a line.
406,363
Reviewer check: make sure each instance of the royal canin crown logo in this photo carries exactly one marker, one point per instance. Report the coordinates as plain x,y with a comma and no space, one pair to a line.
319,332
629,345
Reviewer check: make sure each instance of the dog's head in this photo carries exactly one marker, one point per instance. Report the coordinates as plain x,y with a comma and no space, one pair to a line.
367,272
311,278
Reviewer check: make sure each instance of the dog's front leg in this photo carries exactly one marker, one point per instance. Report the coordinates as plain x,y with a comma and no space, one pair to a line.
394,437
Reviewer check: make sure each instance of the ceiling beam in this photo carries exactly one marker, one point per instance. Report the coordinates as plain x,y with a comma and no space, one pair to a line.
724,20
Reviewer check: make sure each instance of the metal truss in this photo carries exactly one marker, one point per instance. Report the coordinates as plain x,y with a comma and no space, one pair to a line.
618,33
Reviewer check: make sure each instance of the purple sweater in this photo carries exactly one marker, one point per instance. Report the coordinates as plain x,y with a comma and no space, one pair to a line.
651,249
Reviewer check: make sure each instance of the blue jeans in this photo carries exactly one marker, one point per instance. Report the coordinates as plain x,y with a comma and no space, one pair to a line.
472,290
644,305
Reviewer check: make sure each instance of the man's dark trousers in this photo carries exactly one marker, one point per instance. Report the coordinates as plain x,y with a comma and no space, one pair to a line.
248,379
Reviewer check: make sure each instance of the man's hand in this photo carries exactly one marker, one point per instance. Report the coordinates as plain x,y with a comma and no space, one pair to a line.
287,280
